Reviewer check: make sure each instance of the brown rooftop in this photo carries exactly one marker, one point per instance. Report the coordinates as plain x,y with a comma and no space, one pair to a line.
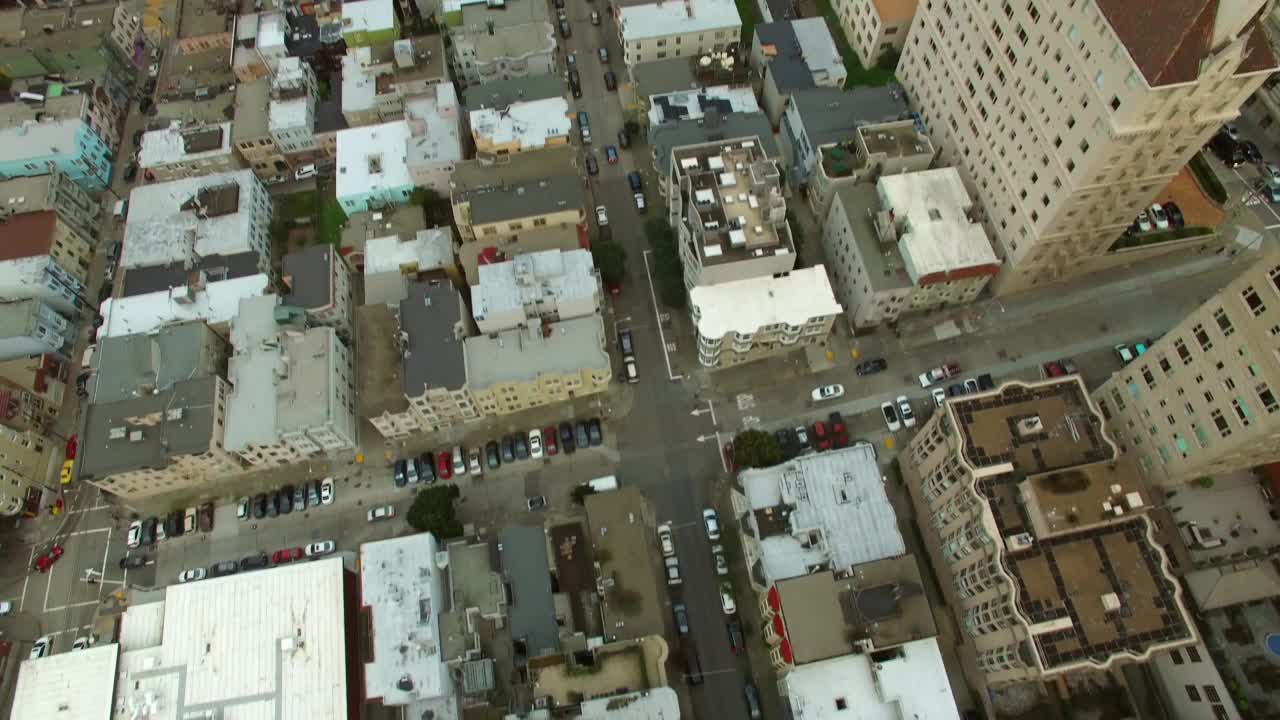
1079,497
27,235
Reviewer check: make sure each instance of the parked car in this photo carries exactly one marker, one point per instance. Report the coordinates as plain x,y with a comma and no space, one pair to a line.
566,437
326,491
459,462
970,385
1158,218
317,549
603,53
550,446
890,414
593,167
1175,215
802,439
133,537
444,469
491,455
473,463
410,471
638,199
508,449
839,434
736,645
611,84
66,472
538,502
226,567
192,575
938,374
673,570
753,701
580,432
535,444
286,499
726,598
427,467
286,555
1250,151
787,441
711,523
521,446
718,559
565,30
827,392
904,410
986,383
254,562
602,216
871,367
611,154
1125,353
665,541
939,396
821,438
131,562
41,647
242,509
131,172
595,18
260,506
1144,223
382,512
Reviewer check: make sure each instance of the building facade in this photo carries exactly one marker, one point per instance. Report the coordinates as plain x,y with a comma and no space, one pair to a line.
53,191
373,169
875,27
488,44
292,116
32,327
1214,367
66,145
251,132
1065,121
318,280
651,30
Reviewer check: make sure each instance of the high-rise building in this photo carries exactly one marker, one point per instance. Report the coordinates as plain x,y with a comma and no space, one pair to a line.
1067,118
1203,399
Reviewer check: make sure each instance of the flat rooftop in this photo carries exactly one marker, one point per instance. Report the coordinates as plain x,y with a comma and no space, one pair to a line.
193,217
391,263
642,20
379,368
470,176
434,354
368,15
539,280
532,611
824,511
907,682
745,306
510,199
403,220
309,275
176,144
433,117
372,158
885,268
76,685
214,303
733,201
936,236
691,104
203,17
525,125
622,530
525,354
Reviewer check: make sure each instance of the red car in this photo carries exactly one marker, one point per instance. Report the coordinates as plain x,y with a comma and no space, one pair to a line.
444,464
549,440
46,560
287,555
838,433
72,443
821,439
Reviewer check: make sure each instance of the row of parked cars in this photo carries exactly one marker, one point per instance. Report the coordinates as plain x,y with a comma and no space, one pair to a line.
288,499
822,435
258,561
176,524
1157,217
534,445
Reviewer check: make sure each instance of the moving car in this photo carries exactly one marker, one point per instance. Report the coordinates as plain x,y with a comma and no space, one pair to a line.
753,701
673,571
382,512
827,392
681,615
535,444
132,562
904,409
726,598
316,549
45,560
890,414
593,167
602,216
611,84
665,541
595,18
938,374
611,154
603,53
871,367
711,523
736,645
192,575
66,472
717,558
638,198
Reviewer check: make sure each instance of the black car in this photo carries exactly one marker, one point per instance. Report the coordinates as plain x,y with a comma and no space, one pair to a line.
173,524
149,531
955,390
491,456
736,645
522,446
1227,150
871,367
255,562
1251,152
260,505
226,567
593,167
1174,214
681,614
985,382
399,474
565,32
580,434
132,562
625,344
145,105
273,504
787,443
594,433
508,450
566,438
131,172
611,84
286,499
427,467
634,179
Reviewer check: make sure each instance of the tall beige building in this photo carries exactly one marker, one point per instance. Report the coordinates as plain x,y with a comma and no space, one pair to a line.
1037,527
1204,398
875,27
1067,118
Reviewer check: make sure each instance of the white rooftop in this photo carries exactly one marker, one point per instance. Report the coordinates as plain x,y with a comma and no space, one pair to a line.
359,86
433,123
68,686
820,52
30,270
741,100
372,158
528,125
664,19
159,231
388,259
938,235
838,493
39,139
251,405
217,303
659,703
272,28
402,588
263,645
367,15
911,684
167,146
745,306
534,279
293,112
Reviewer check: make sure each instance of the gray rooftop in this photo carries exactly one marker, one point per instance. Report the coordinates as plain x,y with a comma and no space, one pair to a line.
712,128
434,357
523,354
329,117
125,365
885,268
512,200
787,67
532,610
308,274
250,120
552,162
155,278
664,76
830,115
501,93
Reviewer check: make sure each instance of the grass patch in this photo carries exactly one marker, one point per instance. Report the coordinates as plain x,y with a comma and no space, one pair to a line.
748,13
1207,178
298,206
1153,238
858,76
331,220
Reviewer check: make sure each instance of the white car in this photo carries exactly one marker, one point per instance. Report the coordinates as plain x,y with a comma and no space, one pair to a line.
712,524
316,549
188,521
6,608
602,216
673,571
939,396
135,534
664,540
639,200
326,491
904,409
81,643
827,392
459,463
535,443
717,556
192,575
242,509
382,512
1158,216
1144,223
890,414
41,647
726,599
473,461
1126,353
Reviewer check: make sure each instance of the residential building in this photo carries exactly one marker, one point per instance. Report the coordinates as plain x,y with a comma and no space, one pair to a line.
403,596
52,191
514,370
875,27
514,40
40,689
74,41
1022,498
1061,166
260,45
195,297
26,446
42,376
791,55
373,170
291,637
531,610
874,150
909,681
696,103
179,152
656,703
318,280
251,132
650,30
43,233
205,26
1214,366
533,202
741,321
41,278
291,119
499,94
435,143
618,525
32,327
821,116
394,261
710,128
403,221
41,143
369,94
907,243
536,288
1191,687
677,74
200,78
381,393
366,23
519,127
155,419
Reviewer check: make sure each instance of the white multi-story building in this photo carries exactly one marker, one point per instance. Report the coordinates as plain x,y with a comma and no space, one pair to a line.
531,289
907,243
491,42
519,127
179,152
651,30
31,327
435,144
292,115
1065,120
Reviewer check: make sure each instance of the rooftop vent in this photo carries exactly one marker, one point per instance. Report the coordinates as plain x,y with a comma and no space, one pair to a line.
1030,426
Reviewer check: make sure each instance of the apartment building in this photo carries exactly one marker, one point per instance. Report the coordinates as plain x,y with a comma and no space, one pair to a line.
651,30
251,132
906,681
76,41
697,104
259,45
31,327
394,261
817,117
873,150
794,55
25,449
906,243
498,132
1191,686
291,118
44,234
156,415
369,22
489,43
368,94
528,367
875,27
43,376
204,25
1066,120
179,152
318,280
535,288
373,168
41,278
435,145
293,387
51,191
1203,398
31,146
1037,527
712,127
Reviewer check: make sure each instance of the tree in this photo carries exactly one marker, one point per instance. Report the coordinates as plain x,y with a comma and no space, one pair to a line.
436,208
669,270
432,511
755,449
611,258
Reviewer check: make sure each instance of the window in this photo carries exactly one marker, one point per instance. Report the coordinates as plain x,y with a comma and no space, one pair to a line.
1253,301
1193,693
1224,322
1211,692
1183,352
1202,337
1193,655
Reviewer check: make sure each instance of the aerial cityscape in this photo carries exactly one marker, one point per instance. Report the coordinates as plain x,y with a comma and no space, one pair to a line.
640,359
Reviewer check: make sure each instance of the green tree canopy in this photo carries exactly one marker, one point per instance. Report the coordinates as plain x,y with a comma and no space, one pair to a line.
756,449
432,511
611,259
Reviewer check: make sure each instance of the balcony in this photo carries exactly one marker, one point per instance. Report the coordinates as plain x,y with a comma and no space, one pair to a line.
842,160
